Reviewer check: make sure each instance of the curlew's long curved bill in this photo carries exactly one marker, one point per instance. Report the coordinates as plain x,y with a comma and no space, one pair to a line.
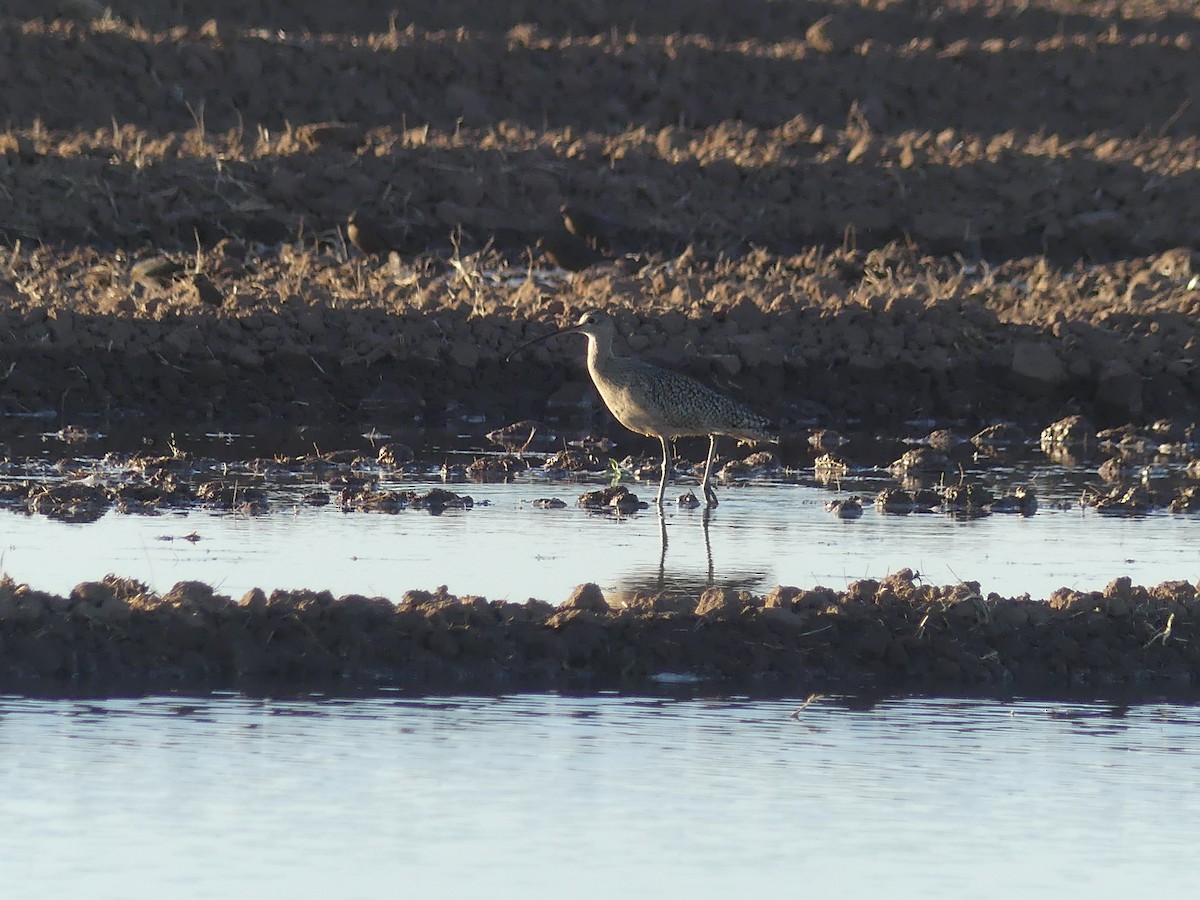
570,329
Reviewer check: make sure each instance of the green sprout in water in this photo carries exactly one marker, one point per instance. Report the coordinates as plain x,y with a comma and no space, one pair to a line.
617,473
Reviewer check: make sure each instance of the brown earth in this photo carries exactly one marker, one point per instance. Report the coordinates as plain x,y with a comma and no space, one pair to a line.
890,635
973,209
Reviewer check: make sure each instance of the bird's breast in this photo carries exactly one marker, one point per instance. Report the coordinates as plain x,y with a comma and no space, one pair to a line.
628,407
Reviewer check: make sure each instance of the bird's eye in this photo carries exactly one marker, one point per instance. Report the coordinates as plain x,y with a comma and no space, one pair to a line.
590,320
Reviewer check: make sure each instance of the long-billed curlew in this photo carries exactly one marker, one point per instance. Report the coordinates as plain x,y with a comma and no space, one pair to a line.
661,403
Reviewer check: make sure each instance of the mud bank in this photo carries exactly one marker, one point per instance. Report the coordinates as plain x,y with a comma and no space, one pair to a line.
894,634
883,337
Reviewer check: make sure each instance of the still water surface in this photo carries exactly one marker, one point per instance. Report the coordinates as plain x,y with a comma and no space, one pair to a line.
612,796
760,536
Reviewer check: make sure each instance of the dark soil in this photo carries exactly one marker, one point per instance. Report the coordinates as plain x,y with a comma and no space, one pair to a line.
897,634
883,211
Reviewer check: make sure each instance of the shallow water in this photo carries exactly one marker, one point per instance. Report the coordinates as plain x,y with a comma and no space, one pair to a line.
767,531
546,795
760,536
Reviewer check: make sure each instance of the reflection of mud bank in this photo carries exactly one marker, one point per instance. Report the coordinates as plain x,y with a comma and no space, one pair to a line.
894,634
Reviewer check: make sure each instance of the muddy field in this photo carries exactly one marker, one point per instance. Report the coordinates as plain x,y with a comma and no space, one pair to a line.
881,210
229,214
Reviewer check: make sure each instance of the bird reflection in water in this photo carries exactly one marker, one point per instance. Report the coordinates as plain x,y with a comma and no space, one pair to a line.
683,584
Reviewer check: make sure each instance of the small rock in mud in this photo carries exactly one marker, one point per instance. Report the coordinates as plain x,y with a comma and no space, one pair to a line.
828,467
575,461
394,456
761,463
156,271
1188,500
616,499
206,292
518,435
1070,431
77,434
826,440
894,501
1131,501
999,436
351,481
364,500
944,439
926,498
643,467
495,468
71,502
232,495
1117,469
592,444
587,597
144,496
720,603
847,508
966,497
1023,500
437,499
922,461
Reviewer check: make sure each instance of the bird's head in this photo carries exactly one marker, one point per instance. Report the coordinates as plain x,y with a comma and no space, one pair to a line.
594,323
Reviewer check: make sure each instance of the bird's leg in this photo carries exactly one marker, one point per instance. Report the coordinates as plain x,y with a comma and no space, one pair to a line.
662,485
710,493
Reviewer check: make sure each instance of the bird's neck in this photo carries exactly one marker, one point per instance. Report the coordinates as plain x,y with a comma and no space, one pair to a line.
599,351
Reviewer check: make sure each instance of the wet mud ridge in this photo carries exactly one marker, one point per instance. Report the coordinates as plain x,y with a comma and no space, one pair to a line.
894,634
